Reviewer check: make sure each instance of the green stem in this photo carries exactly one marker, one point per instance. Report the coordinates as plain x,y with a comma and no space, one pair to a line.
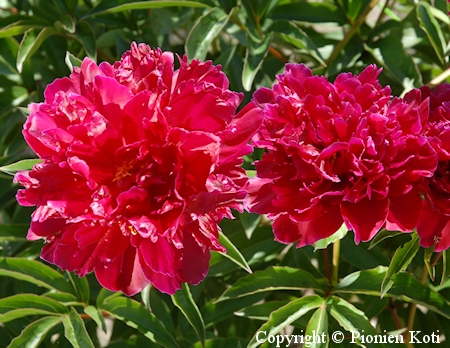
354,28
335,262
413,307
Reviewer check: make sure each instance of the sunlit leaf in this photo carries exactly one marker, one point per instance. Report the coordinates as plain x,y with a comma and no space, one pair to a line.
13,168
400,261
184,301
136,316
31,41
75,331
233,253
286,315
32,335
108,6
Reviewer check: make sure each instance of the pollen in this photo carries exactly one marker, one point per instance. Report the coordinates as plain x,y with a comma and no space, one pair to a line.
124,170
132,230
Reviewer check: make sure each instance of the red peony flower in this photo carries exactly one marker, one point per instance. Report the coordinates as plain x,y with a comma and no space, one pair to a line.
434,223
337,153
140,163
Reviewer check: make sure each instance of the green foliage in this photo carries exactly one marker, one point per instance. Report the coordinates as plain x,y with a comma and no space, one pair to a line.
290,290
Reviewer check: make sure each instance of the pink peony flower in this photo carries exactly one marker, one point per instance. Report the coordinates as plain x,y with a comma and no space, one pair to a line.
140,163
340,152
434,223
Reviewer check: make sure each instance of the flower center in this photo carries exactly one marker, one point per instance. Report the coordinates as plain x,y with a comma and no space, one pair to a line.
124,170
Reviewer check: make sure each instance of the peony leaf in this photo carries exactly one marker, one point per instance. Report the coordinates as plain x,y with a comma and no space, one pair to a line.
86,36
205,29
216,312
81,286
272,278
108,6
13,168
382,235
22,305
431,27
261,311
184,301
13,232
338,235
223,343
400,261
137,317
351,319
257,50
20,27
250,222
233,253
34,272
286,315
289,32
445,266
72,61
106,295
97,316
32,335
31,41
404,287
75,331
391,54
317,12
428,253
161,309
318,328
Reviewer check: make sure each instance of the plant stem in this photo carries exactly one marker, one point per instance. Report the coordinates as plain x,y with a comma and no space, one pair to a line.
354,28
335,262
413,306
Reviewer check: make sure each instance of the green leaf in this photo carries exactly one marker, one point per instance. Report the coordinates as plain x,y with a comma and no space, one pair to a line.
338,235
81,286
21,26
261,311
97,316
428,253
272,278
405,287
286,315
31,41
445,266
205,29
400,261
431,27
233,253
13,168
310,12
86,36
22,305
106,295
351,319
292,34
75,331
13,232
184,301
216,312
136,316
249,221
161,309
34,334
72,61
391,54
108,6
34,272
382,235
318,328
257,50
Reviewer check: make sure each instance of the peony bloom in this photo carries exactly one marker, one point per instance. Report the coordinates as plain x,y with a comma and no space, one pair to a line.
140,163
340,152
434,223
